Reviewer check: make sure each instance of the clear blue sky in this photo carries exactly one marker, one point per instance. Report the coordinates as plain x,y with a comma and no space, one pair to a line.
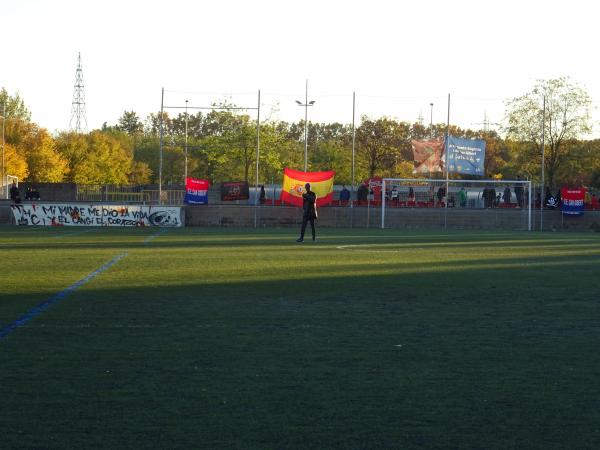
398,56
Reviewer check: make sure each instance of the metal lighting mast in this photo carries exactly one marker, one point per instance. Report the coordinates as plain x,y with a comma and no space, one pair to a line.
78,121
306,104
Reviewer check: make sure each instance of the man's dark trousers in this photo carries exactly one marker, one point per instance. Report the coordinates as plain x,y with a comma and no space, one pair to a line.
305,220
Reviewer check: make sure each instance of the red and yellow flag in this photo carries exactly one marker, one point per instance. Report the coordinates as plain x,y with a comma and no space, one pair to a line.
321,183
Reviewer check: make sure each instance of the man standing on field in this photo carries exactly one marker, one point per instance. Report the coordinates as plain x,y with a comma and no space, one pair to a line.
309,206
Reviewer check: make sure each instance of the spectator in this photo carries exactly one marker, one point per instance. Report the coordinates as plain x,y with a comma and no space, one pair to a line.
362,193
411,194
15,196
394,195
262,197
441,195
462,197
35,194
484,196
493,198
344,195
489,196
28,194
519,192
506,195
451,201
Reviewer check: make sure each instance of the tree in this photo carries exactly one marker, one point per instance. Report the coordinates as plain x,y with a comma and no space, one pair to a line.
566,118
98,157
379,143
15,107
44,162
130,123
16,164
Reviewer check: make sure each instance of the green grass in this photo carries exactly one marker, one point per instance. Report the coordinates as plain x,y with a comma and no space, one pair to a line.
224,338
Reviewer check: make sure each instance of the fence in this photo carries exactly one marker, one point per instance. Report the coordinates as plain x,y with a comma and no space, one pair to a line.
128,194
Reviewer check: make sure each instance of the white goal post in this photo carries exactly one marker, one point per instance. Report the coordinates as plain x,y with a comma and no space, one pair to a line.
6,185
448,197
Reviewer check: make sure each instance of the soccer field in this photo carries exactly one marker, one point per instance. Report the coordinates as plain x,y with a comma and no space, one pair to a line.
226,338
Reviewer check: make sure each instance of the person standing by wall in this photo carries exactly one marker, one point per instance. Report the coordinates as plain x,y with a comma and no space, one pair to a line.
309,207
15,196
262,197
506,196
344,196
462,197
519,193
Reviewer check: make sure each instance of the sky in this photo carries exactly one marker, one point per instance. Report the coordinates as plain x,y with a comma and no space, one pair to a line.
398,57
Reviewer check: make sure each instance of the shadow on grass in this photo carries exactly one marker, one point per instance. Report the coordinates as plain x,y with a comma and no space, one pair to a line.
472,358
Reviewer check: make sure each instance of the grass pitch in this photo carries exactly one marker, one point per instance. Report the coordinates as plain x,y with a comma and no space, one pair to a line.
222,338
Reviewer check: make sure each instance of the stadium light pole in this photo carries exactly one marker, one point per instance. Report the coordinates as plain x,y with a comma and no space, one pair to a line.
160,145
306,104
431,120
353,148
186,143
543,188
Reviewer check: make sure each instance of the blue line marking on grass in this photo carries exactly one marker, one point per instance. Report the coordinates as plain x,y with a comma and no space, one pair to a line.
37,310
155,235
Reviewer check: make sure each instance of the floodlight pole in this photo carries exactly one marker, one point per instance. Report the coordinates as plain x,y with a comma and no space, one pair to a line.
306,104
256,193
160,160
185,175
543,188
353,151
306,126
447,164
431,121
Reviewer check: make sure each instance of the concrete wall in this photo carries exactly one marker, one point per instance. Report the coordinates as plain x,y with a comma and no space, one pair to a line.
6,216
407,218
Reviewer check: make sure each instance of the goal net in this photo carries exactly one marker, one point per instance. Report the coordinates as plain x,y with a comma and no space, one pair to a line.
468,204
7,183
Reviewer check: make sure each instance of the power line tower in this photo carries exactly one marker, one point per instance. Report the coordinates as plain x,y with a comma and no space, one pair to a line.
487,125
78,121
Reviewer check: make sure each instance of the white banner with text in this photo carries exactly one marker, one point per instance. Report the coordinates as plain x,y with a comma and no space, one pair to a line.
73,214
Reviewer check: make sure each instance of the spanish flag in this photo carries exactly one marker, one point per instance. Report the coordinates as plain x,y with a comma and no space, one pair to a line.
321,183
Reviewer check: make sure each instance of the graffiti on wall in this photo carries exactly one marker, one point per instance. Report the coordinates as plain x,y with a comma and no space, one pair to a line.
65,214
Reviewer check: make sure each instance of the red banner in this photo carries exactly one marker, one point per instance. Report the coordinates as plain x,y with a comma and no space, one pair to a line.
375,185
196,191
572,201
